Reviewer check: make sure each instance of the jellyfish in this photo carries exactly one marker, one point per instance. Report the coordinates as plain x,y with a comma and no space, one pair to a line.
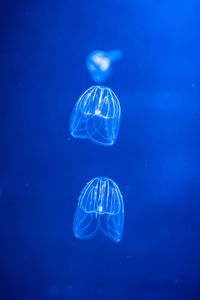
99,64
96,116
100,208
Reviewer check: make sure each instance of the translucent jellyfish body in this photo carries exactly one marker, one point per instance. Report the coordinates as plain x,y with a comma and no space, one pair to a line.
100,208
99,64
96,116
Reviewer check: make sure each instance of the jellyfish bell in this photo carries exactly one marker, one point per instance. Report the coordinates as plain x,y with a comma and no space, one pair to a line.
96,116
100,208
99,64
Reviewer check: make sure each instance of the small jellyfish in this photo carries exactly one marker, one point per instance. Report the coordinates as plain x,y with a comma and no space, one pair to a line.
99,64
96,116
100,208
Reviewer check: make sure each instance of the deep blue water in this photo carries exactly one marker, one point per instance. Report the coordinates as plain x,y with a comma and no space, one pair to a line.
155,160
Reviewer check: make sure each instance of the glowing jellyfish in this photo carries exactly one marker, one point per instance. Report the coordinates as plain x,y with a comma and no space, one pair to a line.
99,64
96,116
100,208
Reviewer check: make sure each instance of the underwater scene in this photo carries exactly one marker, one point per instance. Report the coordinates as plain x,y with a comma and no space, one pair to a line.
100,150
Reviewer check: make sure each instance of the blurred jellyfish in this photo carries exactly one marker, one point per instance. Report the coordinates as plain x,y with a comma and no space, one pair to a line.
99,64
96,116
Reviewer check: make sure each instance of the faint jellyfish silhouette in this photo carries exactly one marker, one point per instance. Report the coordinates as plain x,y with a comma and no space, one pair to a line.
96,116
99,64
54,291
100,208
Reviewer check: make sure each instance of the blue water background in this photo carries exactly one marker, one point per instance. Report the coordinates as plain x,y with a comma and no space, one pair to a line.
155,160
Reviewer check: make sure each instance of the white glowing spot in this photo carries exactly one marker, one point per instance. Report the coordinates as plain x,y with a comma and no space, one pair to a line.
100,208
97,112
105,65
102,62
